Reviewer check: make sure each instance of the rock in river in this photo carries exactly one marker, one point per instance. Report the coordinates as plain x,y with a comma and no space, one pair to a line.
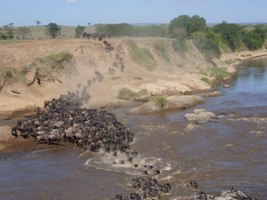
178,102
200,116
183,101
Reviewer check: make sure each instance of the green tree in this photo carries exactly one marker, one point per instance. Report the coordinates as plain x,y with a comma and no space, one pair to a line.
53,30
261,31
79,30
9,31
178,26
185,25
23,32
196,24
38,23
231,33
207,45
255,39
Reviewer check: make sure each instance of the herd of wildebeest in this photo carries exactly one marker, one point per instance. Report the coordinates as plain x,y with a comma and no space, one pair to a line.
119,61
95,36
66,120
99,37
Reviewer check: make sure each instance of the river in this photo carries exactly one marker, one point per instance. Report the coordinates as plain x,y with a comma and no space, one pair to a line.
229,152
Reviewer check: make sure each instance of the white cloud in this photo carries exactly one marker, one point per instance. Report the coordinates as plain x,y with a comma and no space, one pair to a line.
71,1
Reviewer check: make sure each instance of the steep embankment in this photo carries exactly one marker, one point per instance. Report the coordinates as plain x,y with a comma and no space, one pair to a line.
129,67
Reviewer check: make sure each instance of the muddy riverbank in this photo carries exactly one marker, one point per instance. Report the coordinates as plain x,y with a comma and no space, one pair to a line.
183,74
220,154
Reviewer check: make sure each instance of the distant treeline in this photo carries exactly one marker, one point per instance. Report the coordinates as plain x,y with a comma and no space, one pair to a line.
222,37
125,29
211,41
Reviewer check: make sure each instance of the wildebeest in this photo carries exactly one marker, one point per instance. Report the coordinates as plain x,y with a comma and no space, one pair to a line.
64,120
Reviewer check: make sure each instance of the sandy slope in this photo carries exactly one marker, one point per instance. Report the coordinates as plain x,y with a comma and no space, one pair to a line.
180,74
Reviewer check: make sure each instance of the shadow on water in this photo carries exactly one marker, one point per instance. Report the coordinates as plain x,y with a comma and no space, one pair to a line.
218,155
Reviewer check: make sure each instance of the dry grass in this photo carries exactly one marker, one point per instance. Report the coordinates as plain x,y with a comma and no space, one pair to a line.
41,33
161,50
127,94
142,56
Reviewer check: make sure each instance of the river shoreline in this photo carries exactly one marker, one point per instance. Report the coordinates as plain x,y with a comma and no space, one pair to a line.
220,154
9,143
237,59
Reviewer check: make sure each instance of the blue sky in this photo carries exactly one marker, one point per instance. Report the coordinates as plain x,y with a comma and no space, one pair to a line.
74,12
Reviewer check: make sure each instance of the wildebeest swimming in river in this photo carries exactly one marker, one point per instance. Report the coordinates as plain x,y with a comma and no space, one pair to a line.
64,119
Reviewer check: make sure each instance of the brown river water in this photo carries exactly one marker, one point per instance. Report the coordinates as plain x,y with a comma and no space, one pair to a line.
231,151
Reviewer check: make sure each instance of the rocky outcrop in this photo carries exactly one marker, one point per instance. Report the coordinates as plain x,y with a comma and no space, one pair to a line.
214,94
200,116
146,108
183,101
178,102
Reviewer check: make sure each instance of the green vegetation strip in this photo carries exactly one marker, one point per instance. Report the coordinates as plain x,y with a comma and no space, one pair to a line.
56,60
6,74
142,56
49,66
206,80
160,101
127,94
161,50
